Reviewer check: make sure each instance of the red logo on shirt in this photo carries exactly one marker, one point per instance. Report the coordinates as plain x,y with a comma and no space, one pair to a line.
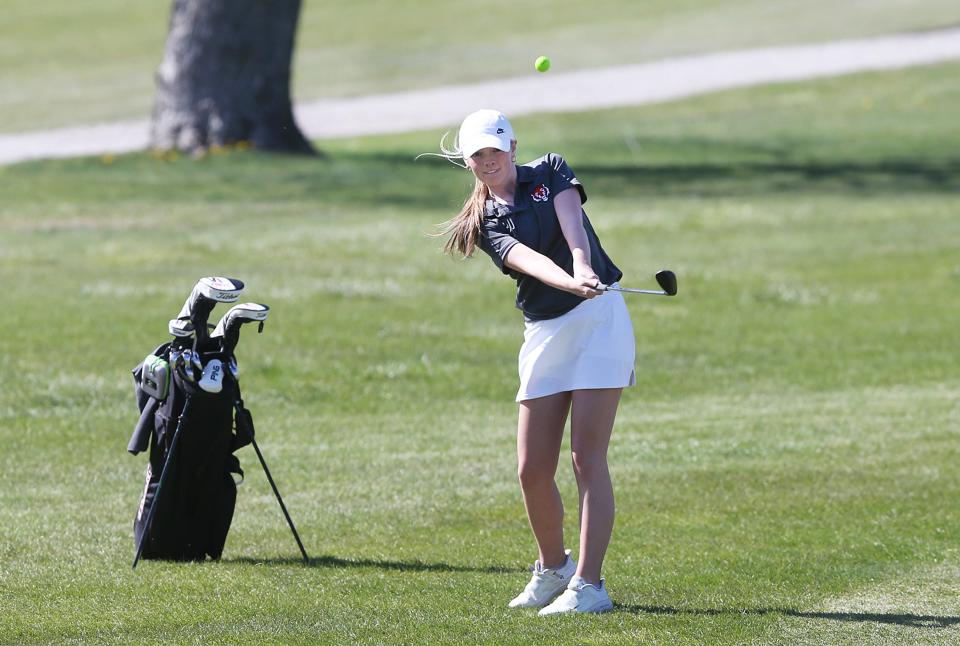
540,193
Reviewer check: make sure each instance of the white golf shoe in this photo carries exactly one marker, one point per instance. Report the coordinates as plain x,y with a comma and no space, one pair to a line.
581,596
545,584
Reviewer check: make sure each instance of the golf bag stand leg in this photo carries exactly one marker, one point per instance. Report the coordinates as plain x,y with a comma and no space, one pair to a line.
245,428
163,476
306,559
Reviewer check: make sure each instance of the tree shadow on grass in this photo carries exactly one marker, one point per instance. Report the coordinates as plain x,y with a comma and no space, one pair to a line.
328,561
714,171
910,620
881,176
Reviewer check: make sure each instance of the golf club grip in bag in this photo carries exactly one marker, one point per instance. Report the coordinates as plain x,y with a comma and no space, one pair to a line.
195,507
140,440
147,405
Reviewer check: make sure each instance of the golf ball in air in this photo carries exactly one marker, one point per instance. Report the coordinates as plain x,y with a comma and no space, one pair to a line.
542,64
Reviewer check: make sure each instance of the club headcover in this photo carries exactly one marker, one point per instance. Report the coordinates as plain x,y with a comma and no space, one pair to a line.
228,328
212,379
212,288
205,295
180,329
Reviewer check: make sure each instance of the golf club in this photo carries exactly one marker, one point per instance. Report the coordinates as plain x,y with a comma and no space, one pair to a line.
665,278
196,309
228,329
197,361
185,364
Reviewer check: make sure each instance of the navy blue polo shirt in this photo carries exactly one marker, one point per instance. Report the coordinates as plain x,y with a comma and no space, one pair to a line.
532,220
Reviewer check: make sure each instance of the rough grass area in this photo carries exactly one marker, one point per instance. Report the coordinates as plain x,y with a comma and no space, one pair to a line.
785,469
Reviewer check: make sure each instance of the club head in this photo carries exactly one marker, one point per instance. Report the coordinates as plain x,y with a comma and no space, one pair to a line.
184,365
667,281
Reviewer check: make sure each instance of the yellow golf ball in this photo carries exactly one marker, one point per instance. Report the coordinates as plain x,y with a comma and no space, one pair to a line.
542,64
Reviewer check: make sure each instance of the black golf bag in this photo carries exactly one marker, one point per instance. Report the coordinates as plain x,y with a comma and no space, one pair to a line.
194,514
192,425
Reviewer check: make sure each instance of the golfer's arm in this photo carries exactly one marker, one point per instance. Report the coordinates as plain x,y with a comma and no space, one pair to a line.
527,261
570,216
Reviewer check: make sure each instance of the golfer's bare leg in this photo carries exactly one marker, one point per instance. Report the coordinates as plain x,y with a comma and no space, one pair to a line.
592,416
539,434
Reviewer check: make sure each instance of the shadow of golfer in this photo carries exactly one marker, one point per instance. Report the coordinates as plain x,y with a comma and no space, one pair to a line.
913,621
328,561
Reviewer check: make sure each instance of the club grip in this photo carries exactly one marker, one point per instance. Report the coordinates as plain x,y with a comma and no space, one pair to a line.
140,439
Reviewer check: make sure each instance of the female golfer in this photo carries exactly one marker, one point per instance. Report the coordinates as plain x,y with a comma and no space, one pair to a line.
578,348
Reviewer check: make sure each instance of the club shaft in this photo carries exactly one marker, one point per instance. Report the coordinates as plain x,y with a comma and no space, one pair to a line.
608,288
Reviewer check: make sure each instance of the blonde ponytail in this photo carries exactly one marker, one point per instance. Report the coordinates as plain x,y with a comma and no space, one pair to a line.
464,229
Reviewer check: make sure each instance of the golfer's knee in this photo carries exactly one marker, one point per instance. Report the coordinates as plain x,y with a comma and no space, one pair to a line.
587,465
533,475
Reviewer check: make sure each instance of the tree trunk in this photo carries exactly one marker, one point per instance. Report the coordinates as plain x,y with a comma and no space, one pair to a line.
225,77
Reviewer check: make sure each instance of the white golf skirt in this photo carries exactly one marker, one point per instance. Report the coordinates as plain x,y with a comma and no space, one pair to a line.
591,346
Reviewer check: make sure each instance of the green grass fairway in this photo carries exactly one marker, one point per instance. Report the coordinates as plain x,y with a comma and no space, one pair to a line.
70,62
786,468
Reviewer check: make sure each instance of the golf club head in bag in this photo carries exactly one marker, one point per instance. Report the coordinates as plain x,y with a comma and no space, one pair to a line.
196,309
228,329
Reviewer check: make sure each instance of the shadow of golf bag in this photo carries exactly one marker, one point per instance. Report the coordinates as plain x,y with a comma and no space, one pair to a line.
194,514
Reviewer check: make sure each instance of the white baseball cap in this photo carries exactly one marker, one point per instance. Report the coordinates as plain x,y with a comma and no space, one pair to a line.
484,129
